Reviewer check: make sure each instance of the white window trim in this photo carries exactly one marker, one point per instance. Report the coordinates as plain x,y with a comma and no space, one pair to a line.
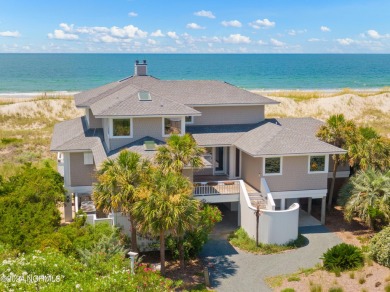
322,171
111,132
183,126
281,166
192,120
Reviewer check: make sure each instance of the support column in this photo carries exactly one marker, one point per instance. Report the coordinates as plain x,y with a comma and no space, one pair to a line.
76,202
309,203
68,216
282,204
323,210
232,162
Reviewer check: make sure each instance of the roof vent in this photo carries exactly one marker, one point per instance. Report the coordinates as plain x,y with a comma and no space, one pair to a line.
140,69
149,145
144,95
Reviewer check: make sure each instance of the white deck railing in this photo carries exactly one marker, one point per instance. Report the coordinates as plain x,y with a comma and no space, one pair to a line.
212,188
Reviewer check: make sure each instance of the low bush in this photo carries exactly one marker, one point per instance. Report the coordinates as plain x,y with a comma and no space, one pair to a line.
342,257
380,247
242,240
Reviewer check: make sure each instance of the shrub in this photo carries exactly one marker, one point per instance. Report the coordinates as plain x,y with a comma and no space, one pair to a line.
380,247
198,236
288,290
336,289
342,257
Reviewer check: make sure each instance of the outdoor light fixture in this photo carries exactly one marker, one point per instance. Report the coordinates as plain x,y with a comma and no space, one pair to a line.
132,256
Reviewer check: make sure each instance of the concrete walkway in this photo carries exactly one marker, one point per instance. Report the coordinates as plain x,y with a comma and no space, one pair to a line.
234,270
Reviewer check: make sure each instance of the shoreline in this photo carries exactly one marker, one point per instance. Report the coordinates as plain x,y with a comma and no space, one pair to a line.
255,90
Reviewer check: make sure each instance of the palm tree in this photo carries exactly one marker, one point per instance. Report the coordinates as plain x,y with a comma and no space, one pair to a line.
117,181
367,196
179,152
339,132
370,150
165,206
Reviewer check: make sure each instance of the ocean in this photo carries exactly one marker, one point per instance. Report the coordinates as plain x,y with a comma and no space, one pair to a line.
21,73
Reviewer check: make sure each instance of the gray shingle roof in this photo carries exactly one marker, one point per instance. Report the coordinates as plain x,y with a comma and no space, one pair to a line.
138,147
187,92
219,135
73,135
271,137
285,138
128,104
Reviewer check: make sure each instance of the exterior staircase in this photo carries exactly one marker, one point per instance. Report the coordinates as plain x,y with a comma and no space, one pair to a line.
257,198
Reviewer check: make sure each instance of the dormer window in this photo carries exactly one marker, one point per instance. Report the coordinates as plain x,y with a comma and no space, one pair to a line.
121,128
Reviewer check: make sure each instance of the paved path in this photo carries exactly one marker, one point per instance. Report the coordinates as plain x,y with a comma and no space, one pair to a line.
233,270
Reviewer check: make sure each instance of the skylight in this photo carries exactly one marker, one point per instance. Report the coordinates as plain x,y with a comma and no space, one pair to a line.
149,145
144,95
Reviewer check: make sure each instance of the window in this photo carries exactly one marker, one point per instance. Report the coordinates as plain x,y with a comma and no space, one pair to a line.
189,119
272,165
121,128
172,126
88,158
317,164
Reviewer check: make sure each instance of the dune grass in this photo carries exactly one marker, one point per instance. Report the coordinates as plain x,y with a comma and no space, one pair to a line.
25,133
303,95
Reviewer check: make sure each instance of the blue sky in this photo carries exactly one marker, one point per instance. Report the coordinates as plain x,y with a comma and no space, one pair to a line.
213,26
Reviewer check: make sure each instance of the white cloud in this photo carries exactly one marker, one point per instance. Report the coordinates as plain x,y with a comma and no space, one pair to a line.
277,43
66,27
313,40
265,23
345,42
61,35
204,13
237,39
132,14
232,23
376,35
129,31
172,35
151,42
193,25
261,42
12,34
325,28
109,39
157,33
294,32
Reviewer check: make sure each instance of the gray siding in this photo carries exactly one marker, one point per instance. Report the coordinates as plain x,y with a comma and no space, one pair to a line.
226,115
80,174
250,169
94,122
295,176
141,127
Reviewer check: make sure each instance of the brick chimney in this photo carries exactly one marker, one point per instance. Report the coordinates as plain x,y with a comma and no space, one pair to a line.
140,69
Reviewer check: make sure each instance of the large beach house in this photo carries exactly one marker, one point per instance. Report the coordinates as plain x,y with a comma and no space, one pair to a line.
251,160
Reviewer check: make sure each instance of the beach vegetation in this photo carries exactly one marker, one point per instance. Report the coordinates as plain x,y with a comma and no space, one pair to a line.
241,239
380,247
117,182
341,133
342,257
367,196
165,206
